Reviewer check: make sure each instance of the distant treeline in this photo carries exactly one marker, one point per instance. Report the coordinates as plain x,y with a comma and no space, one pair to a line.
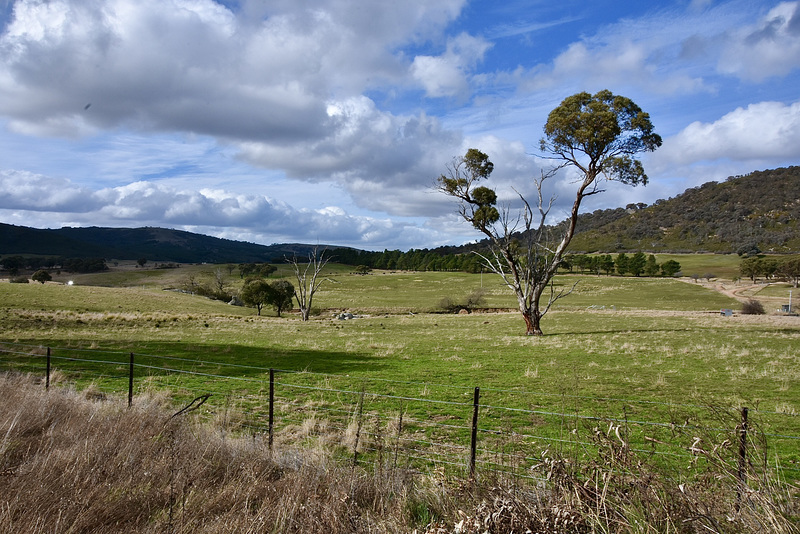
15,264
413,260
636,264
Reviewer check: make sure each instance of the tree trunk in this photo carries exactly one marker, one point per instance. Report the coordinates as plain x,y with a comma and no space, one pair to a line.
532,322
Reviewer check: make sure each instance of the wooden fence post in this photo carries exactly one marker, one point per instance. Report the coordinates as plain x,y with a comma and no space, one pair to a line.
397,439
474,441
742,459
47,376
130,382
271,402
359,422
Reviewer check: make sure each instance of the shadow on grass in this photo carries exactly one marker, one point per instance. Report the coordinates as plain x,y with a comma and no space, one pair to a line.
154,358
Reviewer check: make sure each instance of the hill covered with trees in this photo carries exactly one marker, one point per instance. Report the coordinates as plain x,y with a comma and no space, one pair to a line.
744,214
156,244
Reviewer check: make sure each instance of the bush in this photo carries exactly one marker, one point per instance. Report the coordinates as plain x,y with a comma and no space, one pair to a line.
752,307
41,276
476,299
19,280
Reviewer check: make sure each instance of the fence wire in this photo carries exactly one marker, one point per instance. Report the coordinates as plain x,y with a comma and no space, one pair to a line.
426,426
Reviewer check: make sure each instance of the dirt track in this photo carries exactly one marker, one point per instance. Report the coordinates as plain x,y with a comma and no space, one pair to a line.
745,291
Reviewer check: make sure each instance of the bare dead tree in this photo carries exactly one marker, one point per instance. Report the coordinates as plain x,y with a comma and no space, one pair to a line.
524,251
308,279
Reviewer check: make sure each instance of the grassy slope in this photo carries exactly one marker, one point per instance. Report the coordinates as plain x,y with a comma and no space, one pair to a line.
641,340
621,350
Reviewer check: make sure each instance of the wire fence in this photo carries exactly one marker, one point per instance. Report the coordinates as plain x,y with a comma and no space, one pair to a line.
425,426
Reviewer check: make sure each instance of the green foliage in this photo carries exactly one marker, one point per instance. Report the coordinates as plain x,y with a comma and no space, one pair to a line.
621,263
754,267
789,268
41,276
477,202
84,265
637,263
281,295
257,293
670,268
608,129
651,267
256,269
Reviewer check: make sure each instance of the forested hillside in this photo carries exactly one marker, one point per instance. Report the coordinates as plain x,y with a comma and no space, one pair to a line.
755,212
155,244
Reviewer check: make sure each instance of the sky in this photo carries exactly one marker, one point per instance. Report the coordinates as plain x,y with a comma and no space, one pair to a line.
328,121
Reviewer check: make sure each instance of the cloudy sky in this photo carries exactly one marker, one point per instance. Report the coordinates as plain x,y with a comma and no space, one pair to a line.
327,121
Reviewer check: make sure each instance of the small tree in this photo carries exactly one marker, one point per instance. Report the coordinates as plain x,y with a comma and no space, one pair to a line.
598,135
621,263
219,281
670,268
750,267
637,264
651,267
282,294
308,280
41,276
141,262
257,293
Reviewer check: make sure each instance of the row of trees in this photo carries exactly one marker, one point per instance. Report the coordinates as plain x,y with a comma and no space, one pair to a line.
636,265
756,266
259,293
15,264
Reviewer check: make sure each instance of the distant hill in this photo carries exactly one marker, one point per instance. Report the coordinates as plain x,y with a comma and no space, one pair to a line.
758,211
154,244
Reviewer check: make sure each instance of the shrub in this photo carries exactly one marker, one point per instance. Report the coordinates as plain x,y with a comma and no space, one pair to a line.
19,280
752,307
41,276
475,299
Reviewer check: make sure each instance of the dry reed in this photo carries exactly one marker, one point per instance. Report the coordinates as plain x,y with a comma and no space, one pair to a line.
72,462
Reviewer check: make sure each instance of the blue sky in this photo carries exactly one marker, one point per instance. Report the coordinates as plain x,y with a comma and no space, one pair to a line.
327,121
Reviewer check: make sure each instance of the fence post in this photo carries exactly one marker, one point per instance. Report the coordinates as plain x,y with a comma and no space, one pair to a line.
358,426
742,458
474,441
397,440
271,402
47,377
130,382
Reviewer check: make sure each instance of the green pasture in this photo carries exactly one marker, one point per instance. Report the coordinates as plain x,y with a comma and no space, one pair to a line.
724,266
638,348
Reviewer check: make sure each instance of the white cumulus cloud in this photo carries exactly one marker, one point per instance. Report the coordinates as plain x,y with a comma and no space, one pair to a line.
769,48
763,131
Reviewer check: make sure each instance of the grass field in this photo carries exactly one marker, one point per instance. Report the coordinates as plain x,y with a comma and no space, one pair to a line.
634,346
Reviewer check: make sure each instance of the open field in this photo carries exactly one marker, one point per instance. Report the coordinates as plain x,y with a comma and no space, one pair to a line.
650,358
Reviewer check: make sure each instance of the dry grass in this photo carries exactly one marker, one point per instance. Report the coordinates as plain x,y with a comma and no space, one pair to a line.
72,464
78,462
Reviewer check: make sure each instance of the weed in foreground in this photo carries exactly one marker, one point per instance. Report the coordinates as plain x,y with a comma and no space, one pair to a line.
72,462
